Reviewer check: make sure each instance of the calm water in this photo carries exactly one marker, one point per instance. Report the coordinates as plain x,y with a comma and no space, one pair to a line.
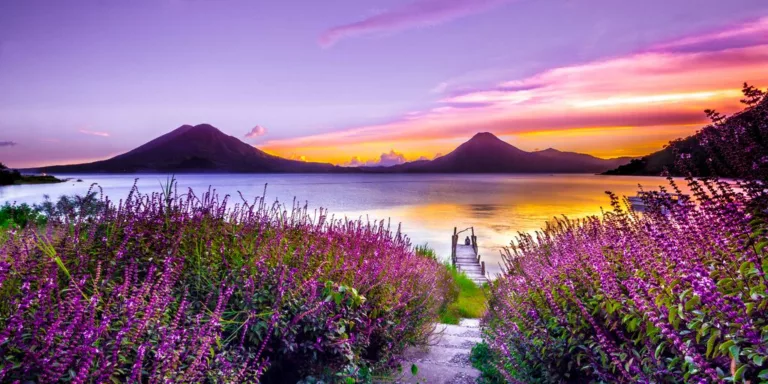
428,206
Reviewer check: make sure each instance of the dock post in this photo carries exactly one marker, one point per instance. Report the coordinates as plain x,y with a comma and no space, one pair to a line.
482,267
474,239
454,241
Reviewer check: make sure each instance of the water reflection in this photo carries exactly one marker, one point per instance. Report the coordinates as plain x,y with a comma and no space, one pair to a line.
428,206
482,211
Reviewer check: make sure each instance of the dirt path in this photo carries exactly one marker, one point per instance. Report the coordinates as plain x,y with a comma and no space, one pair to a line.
446,359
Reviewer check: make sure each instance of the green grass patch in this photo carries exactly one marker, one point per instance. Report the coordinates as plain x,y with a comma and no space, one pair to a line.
470,303
482,357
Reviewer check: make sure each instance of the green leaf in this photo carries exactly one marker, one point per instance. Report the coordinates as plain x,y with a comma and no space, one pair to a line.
734,350
711,343
758,360
763,374
745,268
350,380
739,373
759,246
414,369
693,302
724,346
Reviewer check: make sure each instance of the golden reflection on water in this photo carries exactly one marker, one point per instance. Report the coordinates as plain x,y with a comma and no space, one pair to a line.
500,208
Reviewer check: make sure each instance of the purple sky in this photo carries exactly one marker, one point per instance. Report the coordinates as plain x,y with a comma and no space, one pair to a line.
83,80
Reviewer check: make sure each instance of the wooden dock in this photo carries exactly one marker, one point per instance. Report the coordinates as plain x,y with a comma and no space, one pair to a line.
465,257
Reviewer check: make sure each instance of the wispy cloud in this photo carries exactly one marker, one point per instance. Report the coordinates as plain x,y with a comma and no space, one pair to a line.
658,88
7,143
93,133
256,132
419,13
745,35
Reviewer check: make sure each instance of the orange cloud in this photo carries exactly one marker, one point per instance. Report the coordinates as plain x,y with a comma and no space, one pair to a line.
634,102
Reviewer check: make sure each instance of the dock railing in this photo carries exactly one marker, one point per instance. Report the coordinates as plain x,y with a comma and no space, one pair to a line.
455,242
469,261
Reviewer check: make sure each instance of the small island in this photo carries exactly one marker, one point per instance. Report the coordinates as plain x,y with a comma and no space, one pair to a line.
14,177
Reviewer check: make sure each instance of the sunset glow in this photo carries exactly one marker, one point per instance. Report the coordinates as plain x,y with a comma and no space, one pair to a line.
623,106
365,83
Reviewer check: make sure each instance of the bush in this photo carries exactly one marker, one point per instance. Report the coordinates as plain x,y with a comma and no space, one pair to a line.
483,359
8,176
70,208
19,216
677,297
168,287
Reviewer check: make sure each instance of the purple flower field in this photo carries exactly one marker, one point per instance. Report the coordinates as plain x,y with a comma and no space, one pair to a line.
175,287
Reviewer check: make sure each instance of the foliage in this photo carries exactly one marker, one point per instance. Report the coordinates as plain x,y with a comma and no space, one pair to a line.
659,298
12,176
18,216
468,302
69,208
737,146
483,359
66,209
425,251
175,287
8,176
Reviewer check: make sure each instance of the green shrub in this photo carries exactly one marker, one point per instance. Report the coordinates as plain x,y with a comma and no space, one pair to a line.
482,359
19,216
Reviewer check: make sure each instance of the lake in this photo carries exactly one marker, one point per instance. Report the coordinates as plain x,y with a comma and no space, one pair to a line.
428,206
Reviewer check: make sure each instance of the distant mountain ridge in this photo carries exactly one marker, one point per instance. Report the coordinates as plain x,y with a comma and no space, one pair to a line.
486,153
204,148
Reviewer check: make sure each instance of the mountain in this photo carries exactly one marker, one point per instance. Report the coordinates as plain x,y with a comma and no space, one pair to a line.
486,153
199,148
584,159
203,148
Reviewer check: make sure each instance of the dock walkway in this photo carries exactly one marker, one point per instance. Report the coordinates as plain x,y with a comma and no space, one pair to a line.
466,258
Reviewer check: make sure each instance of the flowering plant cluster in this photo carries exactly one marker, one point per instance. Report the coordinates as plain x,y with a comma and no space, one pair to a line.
676,294
174,287
627,298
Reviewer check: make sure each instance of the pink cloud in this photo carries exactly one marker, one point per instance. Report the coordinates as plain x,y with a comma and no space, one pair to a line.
419,13
94,133
656,88
256,132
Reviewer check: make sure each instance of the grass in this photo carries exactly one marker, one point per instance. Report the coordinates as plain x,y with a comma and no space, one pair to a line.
471,302
482,359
